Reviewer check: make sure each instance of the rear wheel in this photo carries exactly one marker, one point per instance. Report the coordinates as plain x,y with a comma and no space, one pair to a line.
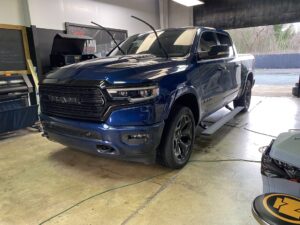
245,99
178,138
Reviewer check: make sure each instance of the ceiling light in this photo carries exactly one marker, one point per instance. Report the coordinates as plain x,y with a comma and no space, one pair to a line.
189,3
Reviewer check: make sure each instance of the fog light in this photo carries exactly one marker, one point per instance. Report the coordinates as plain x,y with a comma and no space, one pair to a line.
135,139
138,136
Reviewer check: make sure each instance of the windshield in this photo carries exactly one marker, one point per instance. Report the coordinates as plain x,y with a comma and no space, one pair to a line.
177,43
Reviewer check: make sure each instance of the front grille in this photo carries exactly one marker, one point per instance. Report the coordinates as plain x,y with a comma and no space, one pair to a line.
76,102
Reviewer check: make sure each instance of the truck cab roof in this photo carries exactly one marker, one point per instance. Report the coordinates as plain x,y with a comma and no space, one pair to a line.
188,27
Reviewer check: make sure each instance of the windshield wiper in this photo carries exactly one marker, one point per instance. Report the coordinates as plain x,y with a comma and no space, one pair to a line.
157,38
112,37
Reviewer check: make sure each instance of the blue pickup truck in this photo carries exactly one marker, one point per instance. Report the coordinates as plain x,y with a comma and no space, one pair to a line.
143,101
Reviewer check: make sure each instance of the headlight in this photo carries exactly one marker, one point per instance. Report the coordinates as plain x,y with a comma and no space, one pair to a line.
134,94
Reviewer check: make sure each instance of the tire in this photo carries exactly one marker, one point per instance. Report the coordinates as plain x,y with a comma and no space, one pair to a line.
178,138
296,92
245,99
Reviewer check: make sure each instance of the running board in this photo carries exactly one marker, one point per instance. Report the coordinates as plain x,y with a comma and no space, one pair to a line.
217,125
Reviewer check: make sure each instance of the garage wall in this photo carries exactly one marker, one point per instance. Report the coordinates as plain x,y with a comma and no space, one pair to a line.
179,15
110,13
14,12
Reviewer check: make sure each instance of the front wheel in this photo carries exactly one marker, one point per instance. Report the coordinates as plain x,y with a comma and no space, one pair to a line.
245,99
178,138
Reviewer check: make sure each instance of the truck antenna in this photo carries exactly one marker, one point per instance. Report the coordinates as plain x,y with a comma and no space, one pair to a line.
112,37
157,38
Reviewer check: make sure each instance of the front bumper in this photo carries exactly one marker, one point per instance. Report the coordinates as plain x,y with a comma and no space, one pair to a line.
133,143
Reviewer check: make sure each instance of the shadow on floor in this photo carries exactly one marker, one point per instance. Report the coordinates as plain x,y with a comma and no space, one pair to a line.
17,133
206,144
96,166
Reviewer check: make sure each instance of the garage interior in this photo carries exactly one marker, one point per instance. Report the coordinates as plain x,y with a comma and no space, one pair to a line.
43,182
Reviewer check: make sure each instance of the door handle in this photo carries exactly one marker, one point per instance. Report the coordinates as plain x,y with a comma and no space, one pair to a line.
222,68
237,65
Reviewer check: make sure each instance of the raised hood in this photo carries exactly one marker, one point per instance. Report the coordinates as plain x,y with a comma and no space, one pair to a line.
116,70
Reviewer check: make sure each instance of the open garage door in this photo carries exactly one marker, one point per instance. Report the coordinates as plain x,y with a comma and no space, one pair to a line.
268,29
277,53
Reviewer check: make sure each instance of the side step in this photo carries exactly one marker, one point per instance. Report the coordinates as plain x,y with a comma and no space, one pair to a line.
217,125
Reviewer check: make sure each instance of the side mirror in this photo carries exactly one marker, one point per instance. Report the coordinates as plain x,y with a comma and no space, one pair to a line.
216,51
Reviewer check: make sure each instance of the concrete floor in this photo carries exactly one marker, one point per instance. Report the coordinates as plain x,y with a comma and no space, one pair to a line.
46,183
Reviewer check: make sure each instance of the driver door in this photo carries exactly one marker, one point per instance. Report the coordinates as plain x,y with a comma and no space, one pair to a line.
210,73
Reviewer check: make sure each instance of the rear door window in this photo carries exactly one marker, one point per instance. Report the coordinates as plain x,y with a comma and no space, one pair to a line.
225,40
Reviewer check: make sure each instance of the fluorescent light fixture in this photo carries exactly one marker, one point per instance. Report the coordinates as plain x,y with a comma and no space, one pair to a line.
189,3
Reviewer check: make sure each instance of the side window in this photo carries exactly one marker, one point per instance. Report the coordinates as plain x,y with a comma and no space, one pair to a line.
206,41
225,40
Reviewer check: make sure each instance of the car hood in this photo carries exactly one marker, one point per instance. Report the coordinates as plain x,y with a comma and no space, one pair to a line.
118,70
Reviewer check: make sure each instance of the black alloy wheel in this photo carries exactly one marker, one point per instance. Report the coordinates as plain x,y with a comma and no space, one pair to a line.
182,138
178,138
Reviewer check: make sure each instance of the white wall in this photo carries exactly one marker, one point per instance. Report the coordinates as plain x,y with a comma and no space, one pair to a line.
14,12
179,15
53,14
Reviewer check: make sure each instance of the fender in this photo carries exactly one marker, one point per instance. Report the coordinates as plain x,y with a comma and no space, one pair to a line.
243,85
181,90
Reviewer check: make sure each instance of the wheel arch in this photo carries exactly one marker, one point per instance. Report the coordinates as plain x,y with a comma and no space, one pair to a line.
250,76
189,100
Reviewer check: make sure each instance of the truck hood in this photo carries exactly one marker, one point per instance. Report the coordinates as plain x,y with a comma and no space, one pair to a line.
118,70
